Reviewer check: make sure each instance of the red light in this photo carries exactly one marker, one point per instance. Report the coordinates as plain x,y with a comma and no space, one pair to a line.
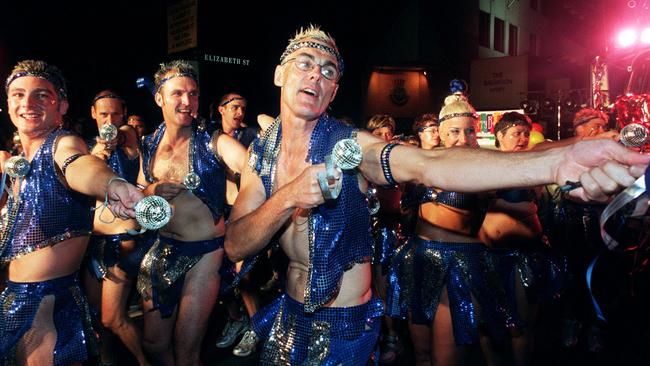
626,38
645,36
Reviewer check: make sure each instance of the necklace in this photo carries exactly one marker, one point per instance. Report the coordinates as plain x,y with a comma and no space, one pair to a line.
191,180
16,167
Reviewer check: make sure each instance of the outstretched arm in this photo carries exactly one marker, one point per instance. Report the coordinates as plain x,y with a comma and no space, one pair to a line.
91,176
602,166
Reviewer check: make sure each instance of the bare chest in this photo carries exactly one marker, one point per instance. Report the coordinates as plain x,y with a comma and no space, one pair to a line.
170,164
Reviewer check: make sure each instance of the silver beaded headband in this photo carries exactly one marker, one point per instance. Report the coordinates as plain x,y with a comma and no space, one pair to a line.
511,124
176,75
292,47
41,75
454,115
585,120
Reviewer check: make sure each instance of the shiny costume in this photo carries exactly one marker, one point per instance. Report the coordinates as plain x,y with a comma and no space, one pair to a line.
20,303
339,237
46,214
163,269
422,268
542,274
104,250
385,226
329,336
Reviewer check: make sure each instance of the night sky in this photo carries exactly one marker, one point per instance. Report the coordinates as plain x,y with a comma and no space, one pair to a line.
110,44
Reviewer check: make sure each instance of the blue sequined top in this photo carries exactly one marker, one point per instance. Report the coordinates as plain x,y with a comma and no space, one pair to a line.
123,166
48,212
339,229
209,167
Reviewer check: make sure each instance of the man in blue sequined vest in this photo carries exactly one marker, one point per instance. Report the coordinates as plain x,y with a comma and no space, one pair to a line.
179,275
112,261
328,314
47,223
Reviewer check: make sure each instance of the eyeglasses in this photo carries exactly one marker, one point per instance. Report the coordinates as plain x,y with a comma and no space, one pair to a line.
306,63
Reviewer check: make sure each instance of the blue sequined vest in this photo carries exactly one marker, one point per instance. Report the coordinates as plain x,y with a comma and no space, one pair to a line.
211,170
121,164
339,230
49,212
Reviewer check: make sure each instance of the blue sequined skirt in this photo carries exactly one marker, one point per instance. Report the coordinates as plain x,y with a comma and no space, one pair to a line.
163,269
385,241
329,336
542,274
19,304
422,268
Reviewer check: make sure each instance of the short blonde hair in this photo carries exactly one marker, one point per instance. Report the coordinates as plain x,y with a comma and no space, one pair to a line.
40,69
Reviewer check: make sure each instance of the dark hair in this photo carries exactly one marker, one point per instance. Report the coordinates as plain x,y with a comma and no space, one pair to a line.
511,119
425,120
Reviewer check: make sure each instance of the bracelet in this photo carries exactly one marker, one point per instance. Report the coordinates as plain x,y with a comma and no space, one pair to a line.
105,204
69,160
384,159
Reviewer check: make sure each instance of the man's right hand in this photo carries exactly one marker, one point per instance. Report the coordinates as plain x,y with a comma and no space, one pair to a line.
603,167
168,190
305,191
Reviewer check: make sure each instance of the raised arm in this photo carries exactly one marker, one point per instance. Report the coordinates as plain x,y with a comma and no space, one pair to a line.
255,220
231,151
602,166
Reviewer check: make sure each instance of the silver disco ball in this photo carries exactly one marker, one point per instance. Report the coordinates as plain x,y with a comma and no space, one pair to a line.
347,154
153,212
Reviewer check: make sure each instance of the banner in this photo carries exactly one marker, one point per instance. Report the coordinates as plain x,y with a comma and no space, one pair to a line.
181,26
499,82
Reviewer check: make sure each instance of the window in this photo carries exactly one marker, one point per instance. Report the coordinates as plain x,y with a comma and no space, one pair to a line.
498,34
483,29
533,45
513,39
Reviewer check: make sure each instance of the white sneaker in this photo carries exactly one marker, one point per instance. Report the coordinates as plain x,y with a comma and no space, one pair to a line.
247,345
231,331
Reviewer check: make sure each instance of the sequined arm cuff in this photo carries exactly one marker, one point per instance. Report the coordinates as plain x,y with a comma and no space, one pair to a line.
69,160
385,163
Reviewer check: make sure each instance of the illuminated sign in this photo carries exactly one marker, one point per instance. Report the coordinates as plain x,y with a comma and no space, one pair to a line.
227,60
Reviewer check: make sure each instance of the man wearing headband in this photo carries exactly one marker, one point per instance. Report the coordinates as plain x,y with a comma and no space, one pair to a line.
48,222
329,313
592,123
113,260
232,109
179,275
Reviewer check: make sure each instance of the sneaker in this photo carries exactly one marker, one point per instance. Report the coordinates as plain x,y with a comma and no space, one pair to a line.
231,331
247,345
391,348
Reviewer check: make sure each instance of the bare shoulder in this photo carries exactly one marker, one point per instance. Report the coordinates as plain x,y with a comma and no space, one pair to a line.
73,142
4,155
251,194
365,138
